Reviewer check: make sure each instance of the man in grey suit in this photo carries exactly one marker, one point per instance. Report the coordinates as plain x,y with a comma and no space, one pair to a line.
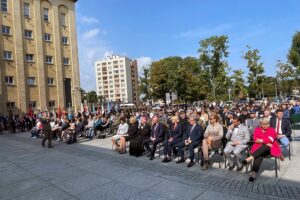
238,136
252,123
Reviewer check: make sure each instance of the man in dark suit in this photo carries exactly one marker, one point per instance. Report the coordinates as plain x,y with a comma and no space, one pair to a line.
282,127
47,131
156,136
195,136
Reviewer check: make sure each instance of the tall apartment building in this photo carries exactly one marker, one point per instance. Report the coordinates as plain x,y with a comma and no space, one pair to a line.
39,62
117,79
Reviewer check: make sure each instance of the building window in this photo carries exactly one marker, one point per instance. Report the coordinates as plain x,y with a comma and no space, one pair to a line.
10,105
26,10
31,81
47,37
9,80
51,81
28,34
63,19
7,55
5,30
49,59
64,40
46,14
51,104
29,57
4,5
32,104
66,61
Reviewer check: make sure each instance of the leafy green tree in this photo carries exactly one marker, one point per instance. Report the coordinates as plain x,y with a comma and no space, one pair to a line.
294,52
213,52
144,86
162,76
269,86
188,81
238,89
285,76
91,97
294,57
256,70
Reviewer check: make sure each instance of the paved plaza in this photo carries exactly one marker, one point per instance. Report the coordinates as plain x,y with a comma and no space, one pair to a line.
91,170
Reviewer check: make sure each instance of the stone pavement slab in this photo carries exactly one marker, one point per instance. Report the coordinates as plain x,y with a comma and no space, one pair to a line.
91,170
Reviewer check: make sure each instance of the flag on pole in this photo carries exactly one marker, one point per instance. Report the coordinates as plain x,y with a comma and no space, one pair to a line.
108,107
58,112
30,112
81,107
102,108
98,110
93,109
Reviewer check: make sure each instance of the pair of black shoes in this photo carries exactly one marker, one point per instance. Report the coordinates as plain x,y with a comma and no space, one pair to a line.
180,161
166,160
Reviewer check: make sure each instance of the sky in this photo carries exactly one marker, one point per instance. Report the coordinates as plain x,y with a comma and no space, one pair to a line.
149,30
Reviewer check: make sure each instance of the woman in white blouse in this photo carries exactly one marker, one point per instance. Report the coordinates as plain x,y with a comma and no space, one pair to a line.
212,137
122,130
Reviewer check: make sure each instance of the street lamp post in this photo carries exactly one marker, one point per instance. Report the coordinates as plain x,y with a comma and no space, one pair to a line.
229,94
276,89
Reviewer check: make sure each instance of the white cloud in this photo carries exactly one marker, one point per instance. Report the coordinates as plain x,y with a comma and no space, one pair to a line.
92,47
90,34
87,20
205,31
143,62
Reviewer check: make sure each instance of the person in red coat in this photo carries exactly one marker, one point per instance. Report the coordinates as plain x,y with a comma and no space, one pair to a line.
265,144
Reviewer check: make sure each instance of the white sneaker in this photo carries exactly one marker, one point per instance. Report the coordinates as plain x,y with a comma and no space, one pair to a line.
34,137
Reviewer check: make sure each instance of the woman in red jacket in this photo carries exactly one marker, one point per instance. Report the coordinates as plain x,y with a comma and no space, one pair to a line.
265,144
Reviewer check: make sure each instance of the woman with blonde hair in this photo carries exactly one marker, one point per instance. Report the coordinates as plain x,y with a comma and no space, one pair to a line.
175,133
131,134
212,137
265,144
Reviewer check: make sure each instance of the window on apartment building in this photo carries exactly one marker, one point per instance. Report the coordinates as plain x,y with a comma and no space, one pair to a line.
29,57
28,34
4,5
5,30
10,105
63,19
51,81
51,104
32,104
49,60
47,37
64,40
9,80
66,61
7,55
46,14
26,9
31,81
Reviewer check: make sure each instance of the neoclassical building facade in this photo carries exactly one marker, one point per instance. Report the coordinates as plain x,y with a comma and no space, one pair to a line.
39,66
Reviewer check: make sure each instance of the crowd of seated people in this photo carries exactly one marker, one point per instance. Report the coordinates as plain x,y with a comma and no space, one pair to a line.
265,129
241,129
